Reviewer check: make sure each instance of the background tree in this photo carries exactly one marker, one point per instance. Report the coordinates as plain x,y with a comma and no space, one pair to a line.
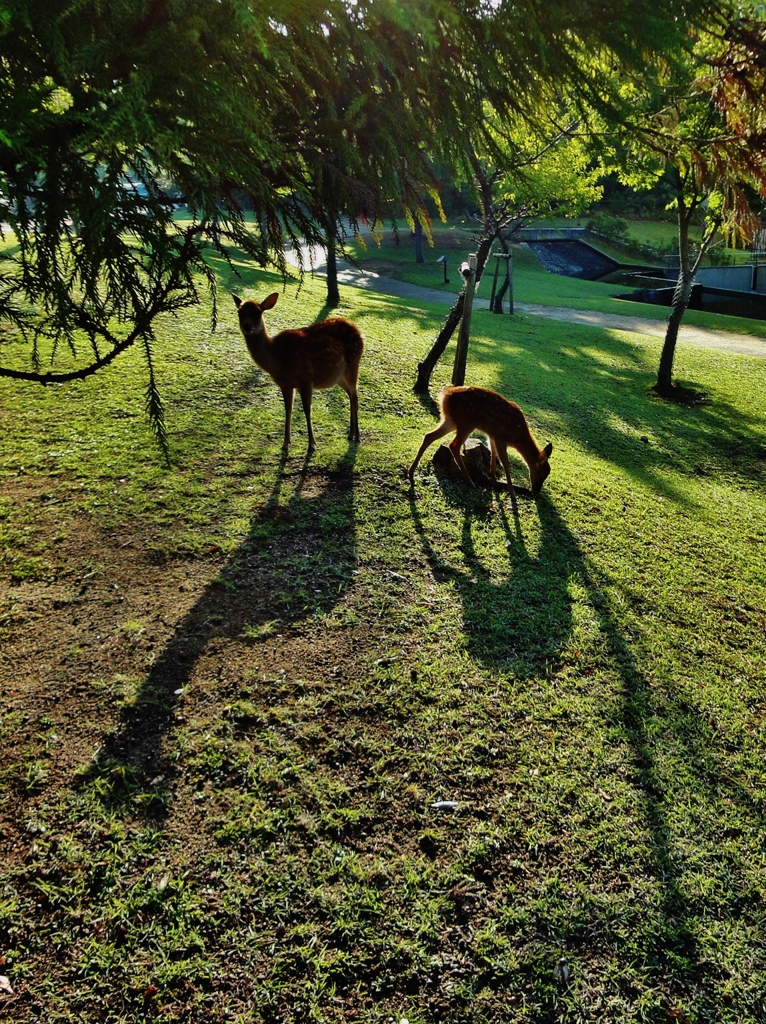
276,128
570,49
100,107
676,132
532,175
358,133
736,79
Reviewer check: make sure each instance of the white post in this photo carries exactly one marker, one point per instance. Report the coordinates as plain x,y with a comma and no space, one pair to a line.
468,270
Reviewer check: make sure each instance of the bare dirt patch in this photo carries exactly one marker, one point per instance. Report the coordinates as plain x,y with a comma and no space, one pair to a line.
105,616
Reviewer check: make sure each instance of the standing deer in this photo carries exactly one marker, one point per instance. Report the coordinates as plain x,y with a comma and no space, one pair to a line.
465,409
318,356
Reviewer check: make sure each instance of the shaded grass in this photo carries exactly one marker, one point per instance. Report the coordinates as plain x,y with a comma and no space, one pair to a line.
251,834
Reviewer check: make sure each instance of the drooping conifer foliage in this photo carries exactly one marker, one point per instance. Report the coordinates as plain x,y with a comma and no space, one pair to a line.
268,122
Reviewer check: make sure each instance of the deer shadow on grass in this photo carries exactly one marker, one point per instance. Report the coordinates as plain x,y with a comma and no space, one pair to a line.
519,614
295,561
516,610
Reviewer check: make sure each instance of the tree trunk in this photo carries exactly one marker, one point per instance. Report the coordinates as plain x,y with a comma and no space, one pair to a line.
683,290
425,369
330,224
419,258
678,307
333,292
483,250
496,299
497,305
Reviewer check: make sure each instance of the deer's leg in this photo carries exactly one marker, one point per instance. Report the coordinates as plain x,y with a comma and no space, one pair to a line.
288,395
306,392
503,453
355,433
493,457
445,427
455,447
353,397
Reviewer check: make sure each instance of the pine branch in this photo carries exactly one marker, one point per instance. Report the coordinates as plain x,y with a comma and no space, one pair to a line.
62,378
154,406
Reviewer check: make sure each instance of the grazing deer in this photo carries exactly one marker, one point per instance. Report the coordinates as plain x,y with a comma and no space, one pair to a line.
318,356
466,409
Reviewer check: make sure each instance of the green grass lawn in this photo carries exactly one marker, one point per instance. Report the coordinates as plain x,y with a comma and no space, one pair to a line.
531,283
236,686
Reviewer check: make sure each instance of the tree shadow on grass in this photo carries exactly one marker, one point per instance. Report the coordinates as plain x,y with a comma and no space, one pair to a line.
296,561
592,386
518,609
677,761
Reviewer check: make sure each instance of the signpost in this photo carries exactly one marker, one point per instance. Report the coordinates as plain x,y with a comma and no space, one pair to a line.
468,270
496,306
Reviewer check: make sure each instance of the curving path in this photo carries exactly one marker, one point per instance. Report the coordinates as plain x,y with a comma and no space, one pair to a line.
743,344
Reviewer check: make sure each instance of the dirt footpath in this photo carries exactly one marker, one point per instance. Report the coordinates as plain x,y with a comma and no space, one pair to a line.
743,344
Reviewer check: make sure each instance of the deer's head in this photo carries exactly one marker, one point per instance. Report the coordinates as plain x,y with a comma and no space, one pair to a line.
540,471
251,313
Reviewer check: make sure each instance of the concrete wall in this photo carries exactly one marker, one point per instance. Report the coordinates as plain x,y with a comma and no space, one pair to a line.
548,234
759,279
739,278
747,277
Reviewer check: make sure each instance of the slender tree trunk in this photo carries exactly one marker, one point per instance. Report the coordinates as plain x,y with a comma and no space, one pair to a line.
333,292
497,303
483,250
683,292
419,258
425,369
680,301
330,219
678,307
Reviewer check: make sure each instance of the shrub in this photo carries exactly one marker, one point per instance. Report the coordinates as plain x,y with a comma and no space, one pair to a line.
614,229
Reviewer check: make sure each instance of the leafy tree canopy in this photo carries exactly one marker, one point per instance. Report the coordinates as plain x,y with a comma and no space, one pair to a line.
542,171
262,118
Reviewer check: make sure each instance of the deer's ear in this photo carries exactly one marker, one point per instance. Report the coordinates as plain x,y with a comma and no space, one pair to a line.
237,300
270,301
548,449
